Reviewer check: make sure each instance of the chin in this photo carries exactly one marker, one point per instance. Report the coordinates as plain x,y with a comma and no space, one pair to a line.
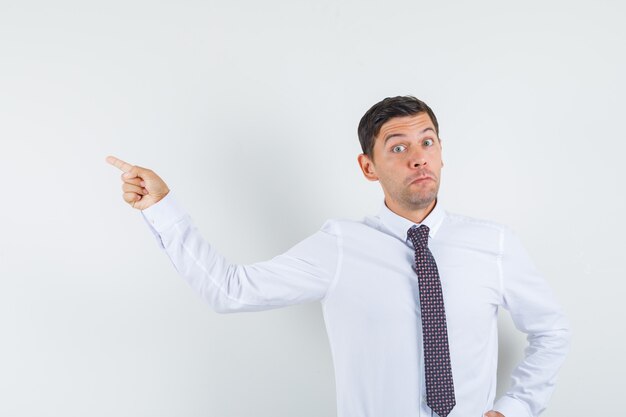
422,200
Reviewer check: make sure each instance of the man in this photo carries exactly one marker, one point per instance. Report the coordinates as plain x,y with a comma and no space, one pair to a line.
409,296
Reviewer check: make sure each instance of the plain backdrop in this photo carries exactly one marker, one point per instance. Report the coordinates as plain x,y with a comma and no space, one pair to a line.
248,110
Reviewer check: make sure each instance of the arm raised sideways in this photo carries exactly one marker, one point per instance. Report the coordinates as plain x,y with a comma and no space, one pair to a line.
301,274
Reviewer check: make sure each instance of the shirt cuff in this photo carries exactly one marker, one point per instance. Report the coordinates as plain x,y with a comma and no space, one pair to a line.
510,407
164,214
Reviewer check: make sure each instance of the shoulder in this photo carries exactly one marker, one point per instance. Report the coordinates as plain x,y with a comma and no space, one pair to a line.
465,221
368,226
476,232
336,225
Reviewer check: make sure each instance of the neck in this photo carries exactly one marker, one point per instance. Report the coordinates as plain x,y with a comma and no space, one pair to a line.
415,214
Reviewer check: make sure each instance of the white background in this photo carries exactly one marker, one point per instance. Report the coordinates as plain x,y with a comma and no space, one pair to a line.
248,110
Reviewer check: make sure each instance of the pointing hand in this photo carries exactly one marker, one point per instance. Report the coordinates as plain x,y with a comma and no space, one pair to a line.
142,187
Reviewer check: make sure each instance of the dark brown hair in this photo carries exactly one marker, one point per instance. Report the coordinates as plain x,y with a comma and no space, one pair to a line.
379,113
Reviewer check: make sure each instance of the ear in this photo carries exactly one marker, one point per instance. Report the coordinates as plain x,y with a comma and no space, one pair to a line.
367,166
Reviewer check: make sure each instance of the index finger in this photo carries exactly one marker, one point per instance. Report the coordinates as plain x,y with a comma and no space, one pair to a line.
124,166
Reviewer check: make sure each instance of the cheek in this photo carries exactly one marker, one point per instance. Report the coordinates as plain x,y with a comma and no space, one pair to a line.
392,176
436,158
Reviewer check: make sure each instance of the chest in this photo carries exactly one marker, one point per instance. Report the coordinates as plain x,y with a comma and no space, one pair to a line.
378,283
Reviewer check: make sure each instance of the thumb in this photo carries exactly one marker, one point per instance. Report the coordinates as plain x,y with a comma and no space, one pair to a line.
134,172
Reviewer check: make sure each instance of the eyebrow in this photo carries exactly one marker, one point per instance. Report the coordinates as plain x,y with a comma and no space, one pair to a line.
403,135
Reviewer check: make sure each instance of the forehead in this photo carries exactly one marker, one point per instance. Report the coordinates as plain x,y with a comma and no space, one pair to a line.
406,125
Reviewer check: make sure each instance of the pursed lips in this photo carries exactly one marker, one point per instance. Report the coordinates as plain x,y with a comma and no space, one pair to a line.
420,178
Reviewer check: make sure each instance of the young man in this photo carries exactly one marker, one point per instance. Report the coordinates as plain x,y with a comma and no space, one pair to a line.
409,296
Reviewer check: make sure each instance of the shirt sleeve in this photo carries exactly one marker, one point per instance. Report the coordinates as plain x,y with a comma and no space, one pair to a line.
535,311
301,274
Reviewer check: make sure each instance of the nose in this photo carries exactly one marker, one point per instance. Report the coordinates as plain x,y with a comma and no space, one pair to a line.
417,158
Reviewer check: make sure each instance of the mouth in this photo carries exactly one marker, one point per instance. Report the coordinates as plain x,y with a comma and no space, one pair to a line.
421,179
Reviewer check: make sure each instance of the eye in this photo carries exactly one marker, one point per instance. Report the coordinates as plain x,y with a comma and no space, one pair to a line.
396,147
429,142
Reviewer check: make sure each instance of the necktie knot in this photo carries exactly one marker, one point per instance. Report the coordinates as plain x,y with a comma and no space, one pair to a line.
419,235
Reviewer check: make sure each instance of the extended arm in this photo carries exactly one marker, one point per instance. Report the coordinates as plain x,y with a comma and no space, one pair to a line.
301,274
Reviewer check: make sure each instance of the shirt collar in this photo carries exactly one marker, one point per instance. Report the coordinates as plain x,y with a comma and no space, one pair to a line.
399,225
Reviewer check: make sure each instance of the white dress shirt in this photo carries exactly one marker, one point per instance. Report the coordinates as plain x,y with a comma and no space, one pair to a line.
361,272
